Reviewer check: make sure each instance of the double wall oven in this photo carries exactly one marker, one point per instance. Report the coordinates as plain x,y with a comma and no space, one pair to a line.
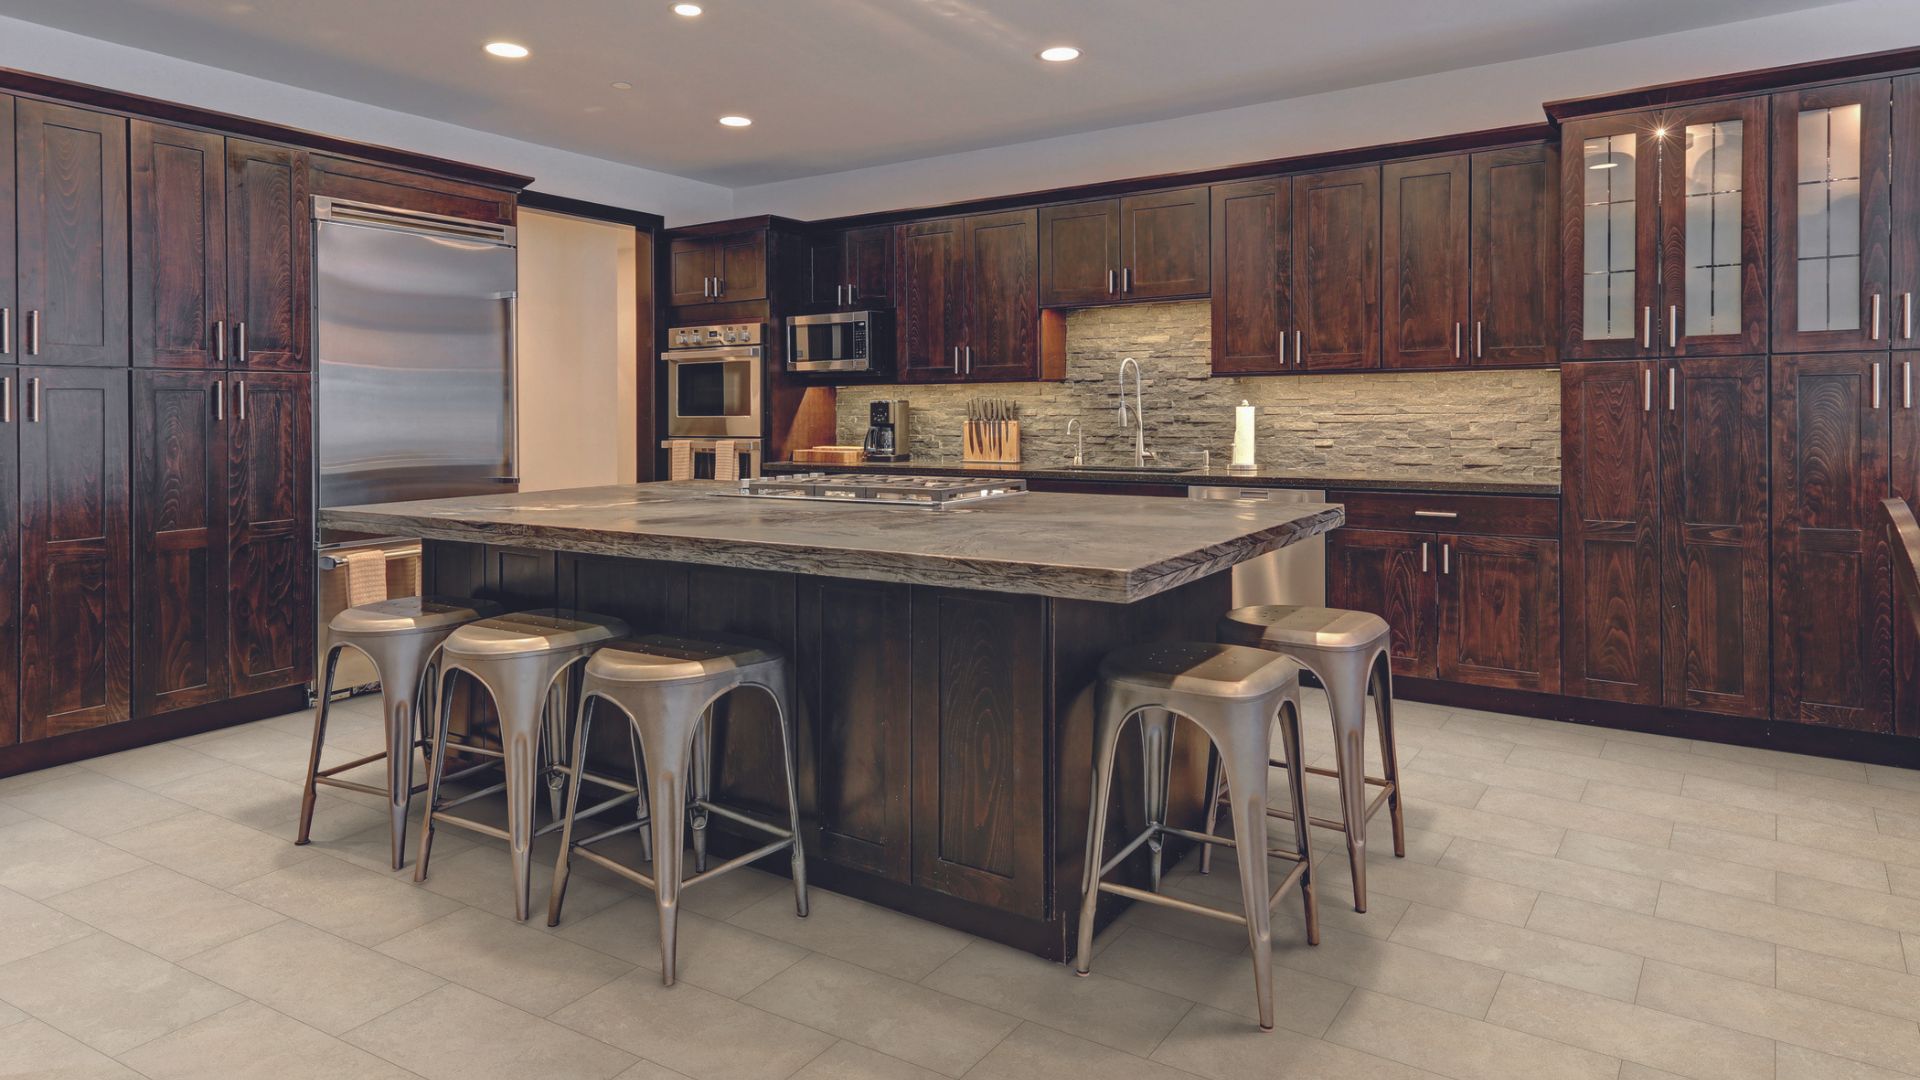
715,399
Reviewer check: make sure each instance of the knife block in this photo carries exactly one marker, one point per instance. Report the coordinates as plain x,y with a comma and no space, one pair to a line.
990,442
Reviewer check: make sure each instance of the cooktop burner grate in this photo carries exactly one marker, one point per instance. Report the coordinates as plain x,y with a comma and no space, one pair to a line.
929,491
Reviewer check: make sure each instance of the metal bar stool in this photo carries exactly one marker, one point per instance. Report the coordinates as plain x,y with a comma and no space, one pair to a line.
519,659
1233,694
402,638
666,686
1347,650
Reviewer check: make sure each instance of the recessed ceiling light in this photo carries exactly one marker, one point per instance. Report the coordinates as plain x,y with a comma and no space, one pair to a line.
736,121
507,49
1060,54
689,10
623,85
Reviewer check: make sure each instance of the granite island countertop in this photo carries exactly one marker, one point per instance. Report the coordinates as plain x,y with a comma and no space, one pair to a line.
1117,548
1437,481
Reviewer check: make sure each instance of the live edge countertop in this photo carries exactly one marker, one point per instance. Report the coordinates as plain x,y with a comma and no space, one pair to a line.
1456,482
1115,548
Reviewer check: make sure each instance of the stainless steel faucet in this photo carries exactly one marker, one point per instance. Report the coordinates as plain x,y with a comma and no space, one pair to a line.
1079,440
1140,451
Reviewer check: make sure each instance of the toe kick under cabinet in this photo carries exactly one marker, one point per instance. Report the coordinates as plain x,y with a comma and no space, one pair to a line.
1470,584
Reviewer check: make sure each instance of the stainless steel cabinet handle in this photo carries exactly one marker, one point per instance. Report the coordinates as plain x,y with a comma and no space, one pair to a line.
1126,279
1876,384
706,287
853,292
6,399
1646,327
240,399
1456,341
969,359
220,342
956,359
1477,340
6,331
1672,393
1448,515
1423,556
219,399
1673,326
1446,558
1299,347
839,294
719,287
1875,333
33,332
240,343
1283,348
33,401
1906,384
1646,391
1109,283
1906,316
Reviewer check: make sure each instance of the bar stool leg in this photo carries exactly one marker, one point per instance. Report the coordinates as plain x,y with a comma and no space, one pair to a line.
1389,756
522,704
640,799
700,784
1156,754
1216,781
1346,683
1297,785
560,706
667,793
402,725
436,767
310,793
1112,720
1246,769
563,866
798,855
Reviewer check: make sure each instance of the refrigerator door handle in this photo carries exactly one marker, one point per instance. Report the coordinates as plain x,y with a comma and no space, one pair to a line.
512,415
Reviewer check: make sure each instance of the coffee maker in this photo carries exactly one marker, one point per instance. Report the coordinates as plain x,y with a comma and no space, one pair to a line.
886,430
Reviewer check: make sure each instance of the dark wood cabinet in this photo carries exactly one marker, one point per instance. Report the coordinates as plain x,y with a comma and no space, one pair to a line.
711,269
71,239
269,256
852,268
1425,275
1905,321
1713,534
9,290
1336,275
1610,505
1905,462
1499,604
180,506
979,747
76,570
1080,256
692,264
1391,575
1252,276
1832,583
1142,247
1832,226
9,555
270,522
1515,252
1610,239
932,320
968,296
179,246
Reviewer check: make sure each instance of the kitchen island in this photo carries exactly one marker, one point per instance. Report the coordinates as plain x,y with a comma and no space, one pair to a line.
945,658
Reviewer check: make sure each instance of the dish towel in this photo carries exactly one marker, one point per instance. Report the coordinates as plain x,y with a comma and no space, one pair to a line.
726,460
679,459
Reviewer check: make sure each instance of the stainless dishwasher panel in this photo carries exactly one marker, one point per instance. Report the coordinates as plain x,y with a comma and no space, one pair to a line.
1295,574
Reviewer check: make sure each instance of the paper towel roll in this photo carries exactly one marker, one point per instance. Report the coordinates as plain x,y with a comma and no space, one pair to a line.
1243,417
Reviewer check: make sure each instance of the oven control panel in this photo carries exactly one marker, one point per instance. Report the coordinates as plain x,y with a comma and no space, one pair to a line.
707,337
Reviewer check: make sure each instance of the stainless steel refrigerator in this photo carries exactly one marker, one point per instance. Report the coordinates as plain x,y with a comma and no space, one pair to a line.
414,379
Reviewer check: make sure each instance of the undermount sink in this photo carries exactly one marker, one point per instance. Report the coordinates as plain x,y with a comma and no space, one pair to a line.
1131,468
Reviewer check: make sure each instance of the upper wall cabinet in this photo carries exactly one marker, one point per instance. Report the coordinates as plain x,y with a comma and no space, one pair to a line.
852,268
1426,271
71,241
1665,224
1515,251
1142,247
1252,276
1906,214
269,256
968,301
179,247
9,292
1832,205
714,269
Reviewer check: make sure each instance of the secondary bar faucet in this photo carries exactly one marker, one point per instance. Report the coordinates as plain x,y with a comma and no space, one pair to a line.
1140,451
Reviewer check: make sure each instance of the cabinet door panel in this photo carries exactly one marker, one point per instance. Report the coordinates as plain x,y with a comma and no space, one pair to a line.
869,261
855,747
826,271
1500,612
10,556
1164,241
1425,272
179,246
1831,228
75,566
1516,257
179,540
1252,276
1832,575
1905,404
1713,231
1392,575
1713,535
692,264
1080,253
1336,252
1003,322
979,747
1609,246
1610,504
9,289
743,267
72,239
1905,317
269,242
270,575
932,296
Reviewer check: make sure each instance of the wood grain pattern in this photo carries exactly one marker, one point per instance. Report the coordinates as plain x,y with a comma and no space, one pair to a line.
386,185
270,515
1485,515
1747,335
269,256
1713,535
10,605
1391,574
72,234
1336,269
1164,244
9,282
1905,484
1003,298
692,264
742,266
180,508
1424,268
1252,276
1642,235
1515,296
868,254
76,580
1905,212
1080,256
931,291
1499,601
179,231
1610,511
1832,606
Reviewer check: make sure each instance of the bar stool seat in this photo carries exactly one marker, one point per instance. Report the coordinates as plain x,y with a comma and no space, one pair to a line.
1348,652
667,685
1234,694
402,638
522,659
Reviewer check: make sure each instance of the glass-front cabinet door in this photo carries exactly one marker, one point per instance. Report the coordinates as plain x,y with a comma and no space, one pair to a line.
1609,194
1831,229
1713,228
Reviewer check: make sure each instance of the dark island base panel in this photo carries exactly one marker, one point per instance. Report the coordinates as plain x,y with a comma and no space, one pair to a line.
1066,478
1872,747
131,734
945,736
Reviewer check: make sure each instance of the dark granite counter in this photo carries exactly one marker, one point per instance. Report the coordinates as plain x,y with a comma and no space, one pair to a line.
1434,482
1085,547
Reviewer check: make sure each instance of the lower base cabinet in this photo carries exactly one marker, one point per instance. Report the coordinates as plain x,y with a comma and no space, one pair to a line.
9,548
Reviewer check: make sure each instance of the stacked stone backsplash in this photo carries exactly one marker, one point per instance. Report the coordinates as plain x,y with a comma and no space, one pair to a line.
1492,424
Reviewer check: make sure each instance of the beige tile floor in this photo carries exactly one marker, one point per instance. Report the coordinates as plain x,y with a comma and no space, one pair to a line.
1575,903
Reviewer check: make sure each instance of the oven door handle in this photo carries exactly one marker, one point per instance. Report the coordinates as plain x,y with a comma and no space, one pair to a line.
721,352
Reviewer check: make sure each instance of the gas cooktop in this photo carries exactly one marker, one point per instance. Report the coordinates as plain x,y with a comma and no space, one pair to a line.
934,492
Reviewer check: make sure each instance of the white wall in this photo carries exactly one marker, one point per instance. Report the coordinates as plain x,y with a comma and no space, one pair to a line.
576,349
1494,96
46,51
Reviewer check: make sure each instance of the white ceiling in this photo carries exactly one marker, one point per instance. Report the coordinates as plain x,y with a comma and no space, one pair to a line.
842,84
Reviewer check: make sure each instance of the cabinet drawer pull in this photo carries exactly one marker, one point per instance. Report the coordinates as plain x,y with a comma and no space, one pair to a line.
1446,558
1423,556
1446,514
6,399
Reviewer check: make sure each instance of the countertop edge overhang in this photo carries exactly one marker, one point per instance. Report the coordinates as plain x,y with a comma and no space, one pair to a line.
988,574
1197,478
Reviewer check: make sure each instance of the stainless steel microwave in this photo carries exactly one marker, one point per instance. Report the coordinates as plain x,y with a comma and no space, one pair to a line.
841,343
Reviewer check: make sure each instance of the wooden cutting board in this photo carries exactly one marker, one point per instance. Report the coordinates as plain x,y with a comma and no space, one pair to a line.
829,455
